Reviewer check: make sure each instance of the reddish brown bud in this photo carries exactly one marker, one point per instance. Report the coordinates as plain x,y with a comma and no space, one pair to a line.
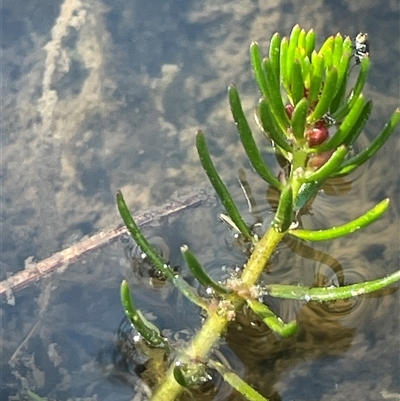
317,161
289,110
320,124
316,136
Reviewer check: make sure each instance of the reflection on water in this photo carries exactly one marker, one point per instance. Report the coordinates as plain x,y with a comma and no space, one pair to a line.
106,95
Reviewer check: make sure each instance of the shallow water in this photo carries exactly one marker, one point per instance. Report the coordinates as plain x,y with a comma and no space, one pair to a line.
109,97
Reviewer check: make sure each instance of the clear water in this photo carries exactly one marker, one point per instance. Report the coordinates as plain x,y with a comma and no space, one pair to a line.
109,97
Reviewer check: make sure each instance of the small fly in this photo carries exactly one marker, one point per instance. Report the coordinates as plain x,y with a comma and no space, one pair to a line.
361,47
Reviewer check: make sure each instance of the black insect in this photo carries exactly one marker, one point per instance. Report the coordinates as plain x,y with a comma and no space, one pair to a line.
361,47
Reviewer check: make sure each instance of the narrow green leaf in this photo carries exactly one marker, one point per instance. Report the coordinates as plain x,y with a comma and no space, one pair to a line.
284,215
256,63
274,53
274,96
359,125
271,127
247,139
329,294
327,51
284,64
146,329
335,232
310,42
154,257
236,382
269,318
317,62
326,97
301,41
219,186
345,128
341,88
343,67
200,274
362,78
297,83
305,193
329,168
347,46
293,43
306,71
337,50
299,118
355,161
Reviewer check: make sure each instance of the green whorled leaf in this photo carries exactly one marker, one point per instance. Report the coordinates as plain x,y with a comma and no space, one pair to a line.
293,44
329,168
337,50
305,193
275,52
301,41
341,88
297,83
284,215
335,232
154,257
269,318
236,382
326,97
299,118
146,329
274,96
219,186
200,274
347,46
338,100
285,78
355,161
306,71
327,51
310,42
325,294
362,78
359,125
343,72
344,109
268,123
345,128
256,63
317,62
247,139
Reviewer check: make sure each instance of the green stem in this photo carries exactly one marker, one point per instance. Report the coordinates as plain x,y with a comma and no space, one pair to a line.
216,323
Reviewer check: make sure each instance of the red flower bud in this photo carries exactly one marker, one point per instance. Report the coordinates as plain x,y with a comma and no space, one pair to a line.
317,161
320,124
316,136
289,110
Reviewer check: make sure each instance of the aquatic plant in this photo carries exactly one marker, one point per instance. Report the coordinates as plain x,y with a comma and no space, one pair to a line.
311,120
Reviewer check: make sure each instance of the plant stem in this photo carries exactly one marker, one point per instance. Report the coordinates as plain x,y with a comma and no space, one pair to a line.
217,322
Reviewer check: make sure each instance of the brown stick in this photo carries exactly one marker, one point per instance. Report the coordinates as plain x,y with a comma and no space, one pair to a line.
36,271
